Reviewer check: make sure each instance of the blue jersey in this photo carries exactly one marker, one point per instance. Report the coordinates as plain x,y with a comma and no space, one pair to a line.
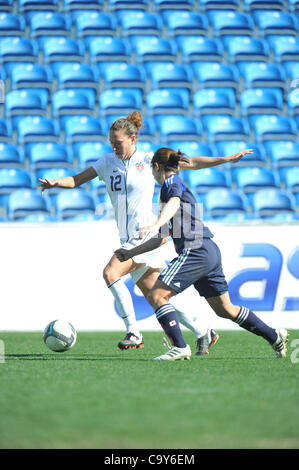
186,227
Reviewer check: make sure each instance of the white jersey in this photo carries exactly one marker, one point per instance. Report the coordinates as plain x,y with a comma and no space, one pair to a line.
130,185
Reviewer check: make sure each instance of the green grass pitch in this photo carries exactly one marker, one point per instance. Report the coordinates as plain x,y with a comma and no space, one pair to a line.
96,396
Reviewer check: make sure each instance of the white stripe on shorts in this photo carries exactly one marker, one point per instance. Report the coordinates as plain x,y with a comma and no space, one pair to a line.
167,278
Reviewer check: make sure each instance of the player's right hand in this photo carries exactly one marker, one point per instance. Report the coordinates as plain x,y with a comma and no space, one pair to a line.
47,184
122,254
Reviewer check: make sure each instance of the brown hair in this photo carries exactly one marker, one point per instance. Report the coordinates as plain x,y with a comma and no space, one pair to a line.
130,125
168,158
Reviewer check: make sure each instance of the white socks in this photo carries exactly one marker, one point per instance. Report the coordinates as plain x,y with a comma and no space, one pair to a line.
125,306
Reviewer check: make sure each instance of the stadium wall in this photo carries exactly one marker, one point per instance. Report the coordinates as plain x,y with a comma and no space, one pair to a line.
51,271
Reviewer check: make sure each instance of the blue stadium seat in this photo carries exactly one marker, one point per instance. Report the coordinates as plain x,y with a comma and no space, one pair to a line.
14,178
25,202
245,48
77,128
139,22
291,68
284,47
166,74
74,202
250,179
268,202
89,152
283,153
261,100
39,217
98,187
293,102
11,24
42,23
207,179
48,154
6,5
90,23
199,48
212,74
263,4
150,47
234,217
115,5
178,4
53,173
118,100
11,156
219,202
269,126
75,74
25,75
26,101
122,74
71,5
147,146
55,48
175,126
149,129
262,74
167,100
27,5
107,48
214,100
275,22
230,22
185,22
223,126
191,148
5,130
290,178
213,4
15,48
73,101
36,128
293,5
230,147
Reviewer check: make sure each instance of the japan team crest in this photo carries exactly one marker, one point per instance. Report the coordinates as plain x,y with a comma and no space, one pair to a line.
139,166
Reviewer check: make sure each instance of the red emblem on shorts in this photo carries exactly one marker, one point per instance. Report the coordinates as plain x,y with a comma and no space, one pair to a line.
139,166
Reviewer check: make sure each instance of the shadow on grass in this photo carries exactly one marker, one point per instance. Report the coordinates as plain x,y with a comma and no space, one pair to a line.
60,357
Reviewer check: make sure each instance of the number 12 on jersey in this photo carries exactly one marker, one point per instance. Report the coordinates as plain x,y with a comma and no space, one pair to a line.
115,183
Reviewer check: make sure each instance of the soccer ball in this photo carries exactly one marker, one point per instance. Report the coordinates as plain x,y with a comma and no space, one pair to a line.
60,335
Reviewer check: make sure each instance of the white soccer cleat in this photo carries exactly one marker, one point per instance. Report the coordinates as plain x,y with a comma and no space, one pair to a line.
175,354
280,345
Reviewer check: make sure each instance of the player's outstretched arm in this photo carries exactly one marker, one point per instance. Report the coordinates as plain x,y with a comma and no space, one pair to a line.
68,181
197,163
123,255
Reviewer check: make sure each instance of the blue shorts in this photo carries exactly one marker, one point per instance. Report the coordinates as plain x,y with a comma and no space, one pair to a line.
201,267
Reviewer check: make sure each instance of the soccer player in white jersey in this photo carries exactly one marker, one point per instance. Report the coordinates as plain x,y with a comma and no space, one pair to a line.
130,185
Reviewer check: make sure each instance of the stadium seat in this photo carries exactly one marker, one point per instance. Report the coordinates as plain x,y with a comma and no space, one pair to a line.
283,153
293,5
25,202
48,154
263,4
122,74
5,130
185,22
75,74
75,202
177,127
53,173
219,202
261,100
55,48
223,126
90,23
14,48
151,47
214,100
27,5
25,75
139,22
115,5
107,48
293,102
71,5
245,47
234,217
269,126
147,146
167,100
250,179
38,218
290,178
118,100
213,4
284,47
89,152
275,22
11,24
149,129
215,74
166,74
11,156
291,68
199,48
191,148
14,178
207,179
80,127
230,147
175,4
36,128
230,22
45,23
262,74
73,101
268,202
26,101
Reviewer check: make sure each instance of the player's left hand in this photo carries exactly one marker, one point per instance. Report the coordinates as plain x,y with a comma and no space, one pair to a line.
122,254
237,156
149,229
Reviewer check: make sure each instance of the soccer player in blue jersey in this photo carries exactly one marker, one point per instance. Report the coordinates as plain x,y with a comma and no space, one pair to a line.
198,262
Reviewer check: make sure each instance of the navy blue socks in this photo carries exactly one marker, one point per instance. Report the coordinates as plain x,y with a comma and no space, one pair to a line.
167,317
248,320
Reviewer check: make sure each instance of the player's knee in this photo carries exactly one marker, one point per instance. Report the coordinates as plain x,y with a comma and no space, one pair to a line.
108,275
152,298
